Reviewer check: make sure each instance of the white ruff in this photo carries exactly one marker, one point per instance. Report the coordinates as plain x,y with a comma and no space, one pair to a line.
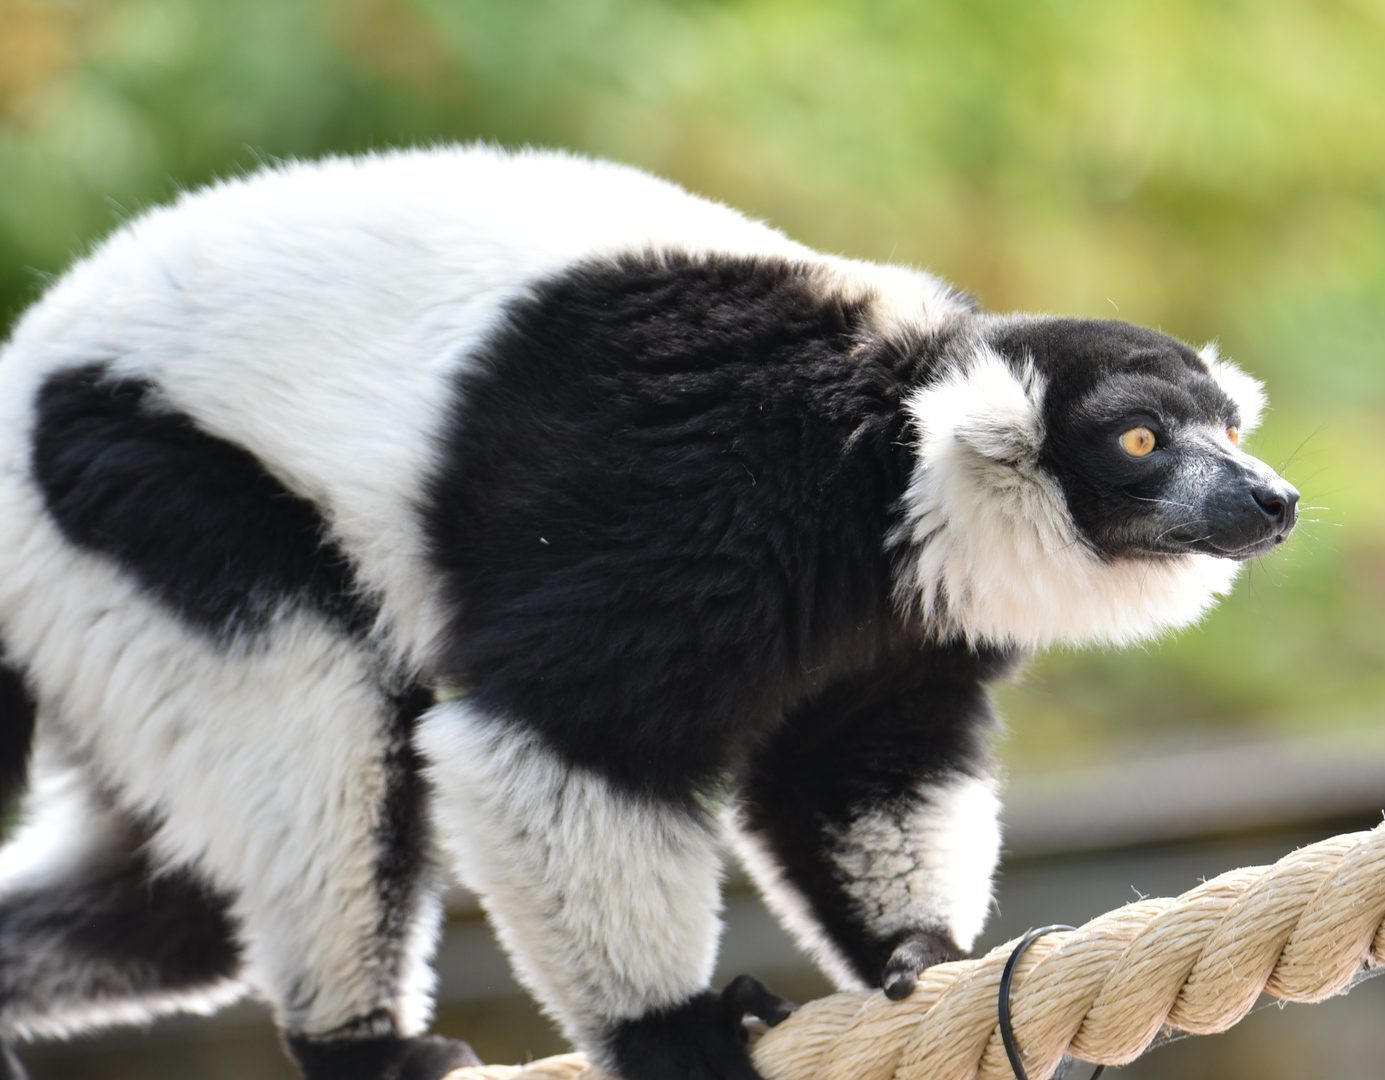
993,553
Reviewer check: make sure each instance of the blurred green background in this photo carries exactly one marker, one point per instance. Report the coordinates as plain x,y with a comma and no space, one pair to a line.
1215,168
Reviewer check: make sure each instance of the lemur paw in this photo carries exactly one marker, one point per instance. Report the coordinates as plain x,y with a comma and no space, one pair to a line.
746,996
431,1057
702,1039
378,1057
919,950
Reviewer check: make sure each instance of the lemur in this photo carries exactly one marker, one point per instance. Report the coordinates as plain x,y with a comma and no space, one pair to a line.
528,519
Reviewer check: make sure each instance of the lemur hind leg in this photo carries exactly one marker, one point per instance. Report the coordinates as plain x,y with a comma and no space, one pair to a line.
869,821
287,778
606,901
229,686
92,933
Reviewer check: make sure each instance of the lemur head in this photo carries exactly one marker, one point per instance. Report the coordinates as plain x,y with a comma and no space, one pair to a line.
1080,480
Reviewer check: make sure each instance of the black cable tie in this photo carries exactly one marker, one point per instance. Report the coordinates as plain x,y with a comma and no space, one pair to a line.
1007,977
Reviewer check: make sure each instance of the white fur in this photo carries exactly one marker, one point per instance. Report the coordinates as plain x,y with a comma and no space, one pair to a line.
83,1014
608,907
990,549
60,825
927,863
900,297
1245,390
789,905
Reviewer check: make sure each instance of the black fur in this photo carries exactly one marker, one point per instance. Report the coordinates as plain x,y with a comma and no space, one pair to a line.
868,741
404,873
661,510
197,521
17,713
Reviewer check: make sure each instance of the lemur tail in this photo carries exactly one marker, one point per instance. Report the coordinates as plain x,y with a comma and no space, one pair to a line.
17,710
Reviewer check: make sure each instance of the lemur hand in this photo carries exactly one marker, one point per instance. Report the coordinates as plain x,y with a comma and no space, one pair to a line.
918,950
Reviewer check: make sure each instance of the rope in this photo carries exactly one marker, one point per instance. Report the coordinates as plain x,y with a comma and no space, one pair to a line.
1300,930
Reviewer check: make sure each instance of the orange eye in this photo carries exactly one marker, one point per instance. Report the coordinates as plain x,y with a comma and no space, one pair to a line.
1138,441
1234,434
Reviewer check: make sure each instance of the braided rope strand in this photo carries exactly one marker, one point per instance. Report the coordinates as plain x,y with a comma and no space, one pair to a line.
1300,930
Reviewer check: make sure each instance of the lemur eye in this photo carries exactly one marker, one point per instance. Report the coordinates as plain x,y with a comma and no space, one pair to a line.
1138,441
1234,434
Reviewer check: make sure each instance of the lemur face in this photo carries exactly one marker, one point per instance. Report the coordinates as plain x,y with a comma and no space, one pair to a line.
1143,435
1079,480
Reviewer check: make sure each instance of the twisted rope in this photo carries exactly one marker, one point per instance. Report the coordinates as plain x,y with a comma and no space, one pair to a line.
1299,930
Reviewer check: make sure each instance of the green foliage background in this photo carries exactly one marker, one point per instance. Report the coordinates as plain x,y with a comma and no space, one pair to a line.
1212,167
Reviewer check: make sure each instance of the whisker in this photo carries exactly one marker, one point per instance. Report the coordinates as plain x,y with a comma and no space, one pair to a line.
1192,540
1299,447
1183,525
1164,502
1306,480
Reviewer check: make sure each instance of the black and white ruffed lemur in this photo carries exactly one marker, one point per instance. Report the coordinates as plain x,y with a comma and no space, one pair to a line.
530,516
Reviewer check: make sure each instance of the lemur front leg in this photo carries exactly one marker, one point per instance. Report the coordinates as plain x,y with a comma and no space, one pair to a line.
607,902
870,821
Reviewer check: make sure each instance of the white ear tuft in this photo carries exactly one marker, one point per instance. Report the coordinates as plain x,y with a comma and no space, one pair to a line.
985,406
1245,390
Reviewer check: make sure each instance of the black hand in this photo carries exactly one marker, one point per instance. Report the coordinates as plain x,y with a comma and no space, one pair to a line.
919,950
746,996
702,1039
431,1057
385,1057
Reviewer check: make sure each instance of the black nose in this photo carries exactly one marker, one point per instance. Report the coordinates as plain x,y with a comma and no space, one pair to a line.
1278,502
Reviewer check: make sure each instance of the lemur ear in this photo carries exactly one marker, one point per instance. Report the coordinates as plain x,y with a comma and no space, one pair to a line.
983,405
1245,390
